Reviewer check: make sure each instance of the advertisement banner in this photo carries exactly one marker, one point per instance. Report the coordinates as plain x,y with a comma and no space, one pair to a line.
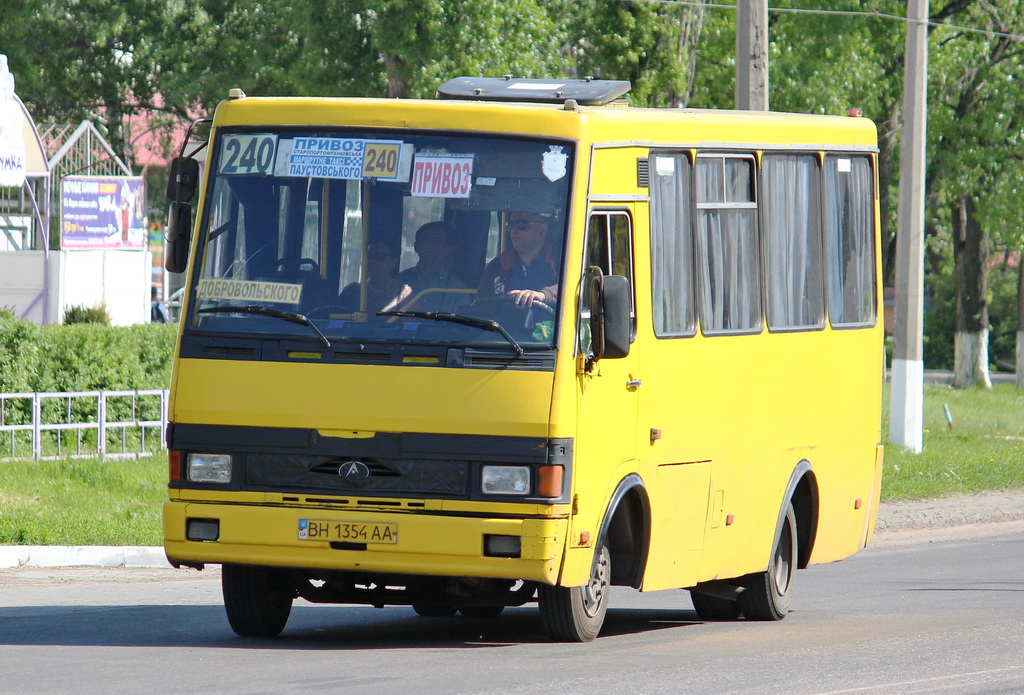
12,141
102,212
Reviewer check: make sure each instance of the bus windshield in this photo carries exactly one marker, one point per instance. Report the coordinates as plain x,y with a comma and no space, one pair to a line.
342,236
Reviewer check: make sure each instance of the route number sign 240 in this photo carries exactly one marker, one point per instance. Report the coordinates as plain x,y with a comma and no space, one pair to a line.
254,154
248,154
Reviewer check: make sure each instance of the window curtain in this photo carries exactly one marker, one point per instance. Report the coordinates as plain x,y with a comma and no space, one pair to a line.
727,239
792,239
671,245
849,218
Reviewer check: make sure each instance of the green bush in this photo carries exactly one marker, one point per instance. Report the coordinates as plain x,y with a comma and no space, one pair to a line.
94,314
19,355
83,357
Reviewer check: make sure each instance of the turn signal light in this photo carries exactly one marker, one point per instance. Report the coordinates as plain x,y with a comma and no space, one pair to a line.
549,481
174,465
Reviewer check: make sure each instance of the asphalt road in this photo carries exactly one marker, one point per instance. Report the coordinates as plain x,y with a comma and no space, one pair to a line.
917,613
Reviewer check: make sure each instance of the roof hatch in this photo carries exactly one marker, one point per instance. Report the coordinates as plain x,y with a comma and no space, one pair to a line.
586,92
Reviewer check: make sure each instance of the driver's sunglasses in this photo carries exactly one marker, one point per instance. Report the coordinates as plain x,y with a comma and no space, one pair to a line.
521,225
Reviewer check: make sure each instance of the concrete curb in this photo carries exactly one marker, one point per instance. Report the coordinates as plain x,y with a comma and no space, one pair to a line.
947,512
893,518
81,556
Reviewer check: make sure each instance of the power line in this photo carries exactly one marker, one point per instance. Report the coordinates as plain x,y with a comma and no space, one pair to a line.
845,13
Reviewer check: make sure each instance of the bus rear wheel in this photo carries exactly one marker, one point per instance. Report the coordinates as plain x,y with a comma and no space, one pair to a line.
433,610
576,613
768,594
256,599
482,611
714,607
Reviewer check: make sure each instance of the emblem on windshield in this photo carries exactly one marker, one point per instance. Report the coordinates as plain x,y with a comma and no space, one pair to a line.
553,163
354,469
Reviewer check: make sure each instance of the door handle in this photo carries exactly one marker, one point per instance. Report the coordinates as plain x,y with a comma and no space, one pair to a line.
634,384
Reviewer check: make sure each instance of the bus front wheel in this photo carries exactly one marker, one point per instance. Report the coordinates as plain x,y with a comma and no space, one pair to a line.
576,613
256,600
768,594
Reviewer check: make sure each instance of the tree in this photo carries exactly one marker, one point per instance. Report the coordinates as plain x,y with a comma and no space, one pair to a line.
652,45
407,48
104,59
975,128
76,60
859,66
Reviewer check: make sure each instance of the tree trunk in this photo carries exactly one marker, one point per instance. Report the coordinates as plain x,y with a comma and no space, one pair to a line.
395,67
970,254
1019,380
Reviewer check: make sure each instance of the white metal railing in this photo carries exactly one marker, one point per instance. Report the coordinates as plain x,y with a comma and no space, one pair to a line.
72,420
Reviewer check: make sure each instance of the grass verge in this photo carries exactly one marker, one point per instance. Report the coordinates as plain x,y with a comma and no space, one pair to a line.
82,501
97,502
983,450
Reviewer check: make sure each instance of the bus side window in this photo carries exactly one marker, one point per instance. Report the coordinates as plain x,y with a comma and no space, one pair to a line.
609,247
850,239
791,203
728,246
674,312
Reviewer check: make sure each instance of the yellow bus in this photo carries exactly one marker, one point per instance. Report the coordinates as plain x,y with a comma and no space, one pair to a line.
522,343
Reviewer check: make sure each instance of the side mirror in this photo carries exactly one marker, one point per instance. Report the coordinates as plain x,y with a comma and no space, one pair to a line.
611,324
179,232
182,179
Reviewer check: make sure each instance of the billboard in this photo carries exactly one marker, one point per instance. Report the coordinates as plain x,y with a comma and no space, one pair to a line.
12,142
102,212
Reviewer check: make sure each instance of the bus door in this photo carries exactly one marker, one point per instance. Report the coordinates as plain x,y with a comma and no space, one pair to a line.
608,389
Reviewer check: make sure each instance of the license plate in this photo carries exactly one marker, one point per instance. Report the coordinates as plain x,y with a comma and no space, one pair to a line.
347,531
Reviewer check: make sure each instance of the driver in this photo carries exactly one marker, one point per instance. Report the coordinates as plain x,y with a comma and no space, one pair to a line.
528,271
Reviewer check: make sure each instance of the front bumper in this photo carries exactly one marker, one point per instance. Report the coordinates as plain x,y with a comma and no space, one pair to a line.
428,543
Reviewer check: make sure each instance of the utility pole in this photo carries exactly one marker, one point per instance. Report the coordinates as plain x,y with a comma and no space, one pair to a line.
906,424
752,55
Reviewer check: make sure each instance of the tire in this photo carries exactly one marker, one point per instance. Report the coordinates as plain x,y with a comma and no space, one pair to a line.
768,594
433,610
256,600
714,607
482,611
576,614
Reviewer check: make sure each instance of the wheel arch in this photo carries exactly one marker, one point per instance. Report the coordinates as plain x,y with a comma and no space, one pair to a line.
802,492
626,528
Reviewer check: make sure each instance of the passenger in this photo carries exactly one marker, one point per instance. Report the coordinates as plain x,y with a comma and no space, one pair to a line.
528,271
384,291
433,270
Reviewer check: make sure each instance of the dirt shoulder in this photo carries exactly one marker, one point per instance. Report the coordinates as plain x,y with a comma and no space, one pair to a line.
950,511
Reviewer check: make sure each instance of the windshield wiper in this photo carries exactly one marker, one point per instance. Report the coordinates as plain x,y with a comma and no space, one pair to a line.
267,311
485,324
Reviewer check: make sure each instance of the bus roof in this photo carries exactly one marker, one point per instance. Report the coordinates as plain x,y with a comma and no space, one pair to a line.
614,122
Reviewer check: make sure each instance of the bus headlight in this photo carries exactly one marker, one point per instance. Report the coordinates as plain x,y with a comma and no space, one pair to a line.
209,468
505,480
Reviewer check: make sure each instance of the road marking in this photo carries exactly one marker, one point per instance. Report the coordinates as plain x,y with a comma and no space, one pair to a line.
886,687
